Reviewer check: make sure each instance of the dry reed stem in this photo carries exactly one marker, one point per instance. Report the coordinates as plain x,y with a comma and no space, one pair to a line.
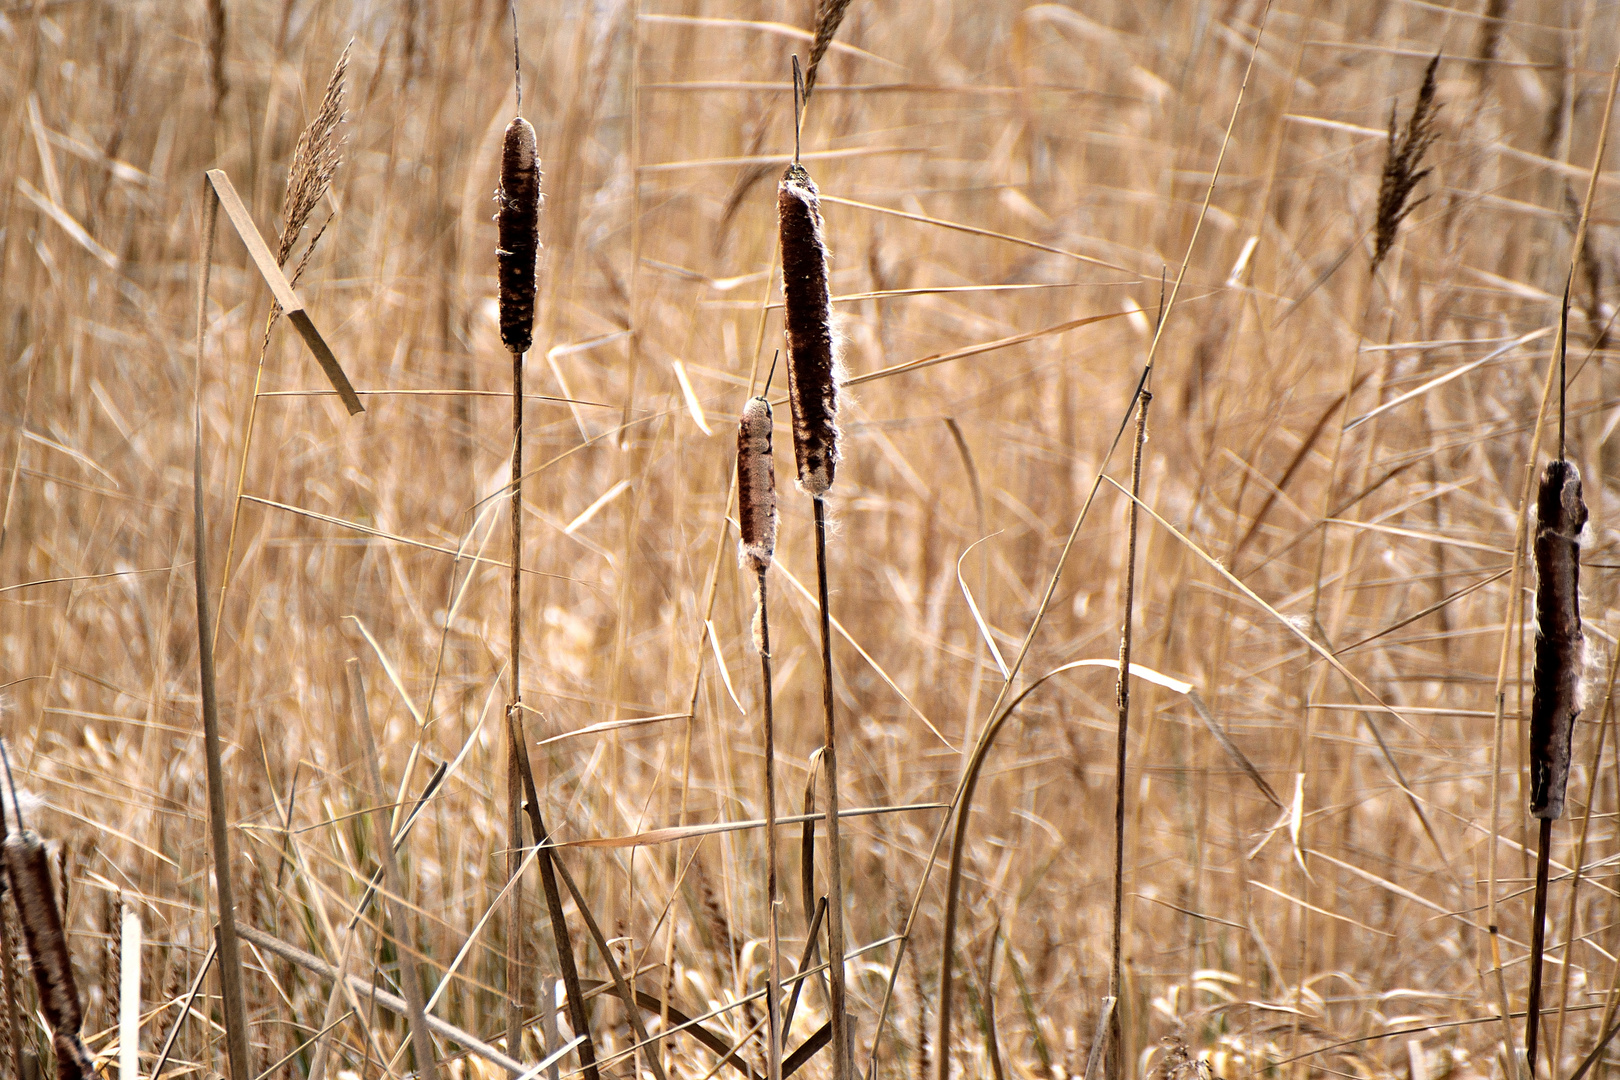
230,957
829,761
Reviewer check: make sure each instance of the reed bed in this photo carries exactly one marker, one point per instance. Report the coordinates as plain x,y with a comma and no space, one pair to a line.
1334,559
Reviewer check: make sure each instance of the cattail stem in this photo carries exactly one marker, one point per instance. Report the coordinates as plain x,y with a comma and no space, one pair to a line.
514,784
1123,699
230,955
835,880
773,977
1538,942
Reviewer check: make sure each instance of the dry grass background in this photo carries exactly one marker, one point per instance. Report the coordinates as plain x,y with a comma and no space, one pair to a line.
1090,129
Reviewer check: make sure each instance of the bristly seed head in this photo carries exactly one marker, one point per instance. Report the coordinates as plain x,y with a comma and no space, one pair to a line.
756,486
812,363
1560,643
518,234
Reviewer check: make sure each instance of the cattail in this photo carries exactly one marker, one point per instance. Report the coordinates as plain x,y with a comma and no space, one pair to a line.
29,870
1560,645
756,486
812,362
518,234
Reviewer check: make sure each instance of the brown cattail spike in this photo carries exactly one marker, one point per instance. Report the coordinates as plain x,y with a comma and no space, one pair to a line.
29,870
812,363
756,485
518,234
1560,645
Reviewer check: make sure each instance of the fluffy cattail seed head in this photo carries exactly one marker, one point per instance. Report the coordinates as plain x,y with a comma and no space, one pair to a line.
812,362
756,485
517,225
29,869
1560,644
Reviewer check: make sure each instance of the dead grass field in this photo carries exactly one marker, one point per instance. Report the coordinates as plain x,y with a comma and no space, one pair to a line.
1005,185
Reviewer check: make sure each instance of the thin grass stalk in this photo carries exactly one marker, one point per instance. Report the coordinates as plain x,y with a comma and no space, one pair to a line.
230,955
399,913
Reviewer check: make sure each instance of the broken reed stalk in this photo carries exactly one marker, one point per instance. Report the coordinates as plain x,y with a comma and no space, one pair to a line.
516,252
399,914
129,994
1556,701
1123,699
230,954
813,393
756,516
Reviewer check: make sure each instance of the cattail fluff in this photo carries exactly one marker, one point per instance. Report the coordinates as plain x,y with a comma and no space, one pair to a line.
756,498
1560,645
812,363
517,224
28,867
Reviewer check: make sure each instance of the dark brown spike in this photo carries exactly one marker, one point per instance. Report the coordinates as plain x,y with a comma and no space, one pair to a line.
1560,644
29,870
812,363
756,485
518,234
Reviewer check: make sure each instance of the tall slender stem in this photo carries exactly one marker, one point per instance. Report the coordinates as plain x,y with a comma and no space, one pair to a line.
773,977
1538,942
514,781
230,956
1123,698
835,879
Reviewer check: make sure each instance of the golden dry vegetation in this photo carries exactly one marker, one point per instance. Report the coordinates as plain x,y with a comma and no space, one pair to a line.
1010,192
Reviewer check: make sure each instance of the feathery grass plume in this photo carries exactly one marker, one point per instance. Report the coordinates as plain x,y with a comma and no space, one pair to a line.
1402,161
813,373
29,870
518,230
828,16
1560,644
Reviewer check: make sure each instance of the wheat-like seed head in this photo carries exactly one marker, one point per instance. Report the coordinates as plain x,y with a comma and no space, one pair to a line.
812,361
518,228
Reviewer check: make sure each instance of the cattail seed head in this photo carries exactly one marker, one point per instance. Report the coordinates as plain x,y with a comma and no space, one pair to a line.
1560,644
812,362
756,485
29,869
517,224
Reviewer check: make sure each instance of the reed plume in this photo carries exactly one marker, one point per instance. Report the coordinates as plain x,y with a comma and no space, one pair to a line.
1556,701
1403,159
756,515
